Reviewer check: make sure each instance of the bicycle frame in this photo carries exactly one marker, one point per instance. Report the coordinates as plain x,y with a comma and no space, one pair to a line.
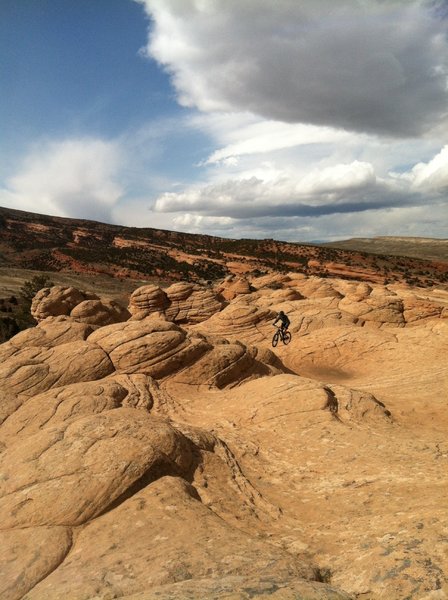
282,334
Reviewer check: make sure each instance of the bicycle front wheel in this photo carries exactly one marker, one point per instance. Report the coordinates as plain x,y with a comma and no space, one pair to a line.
275,339
286,337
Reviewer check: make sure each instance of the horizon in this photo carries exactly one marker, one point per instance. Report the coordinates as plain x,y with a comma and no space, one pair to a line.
298,242
243,121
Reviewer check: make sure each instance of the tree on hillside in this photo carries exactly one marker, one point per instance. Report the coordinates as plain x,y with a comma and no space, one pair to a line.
27,292
30,288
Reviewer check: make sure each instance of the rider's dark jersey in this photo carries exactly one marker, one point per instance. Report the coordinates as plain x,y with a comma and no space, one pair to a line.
284,319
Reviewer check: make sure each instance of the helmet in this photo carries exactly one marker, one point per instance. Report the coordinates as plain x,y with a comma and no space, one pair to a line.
281,313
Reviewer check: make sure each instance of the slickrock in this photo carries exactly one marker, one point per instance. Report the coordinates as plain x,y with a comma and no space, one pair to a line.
162,349
384,361
367,305
181,303
143,459
341,466
140,545
146,300
50,332
306,286
33,370
274,281
99,312
57,300
178,292
252,321
286,295
239,320
416,310
314,287
28,555
154,347
70,402
191,303
70,472
237,587
232,287
229,364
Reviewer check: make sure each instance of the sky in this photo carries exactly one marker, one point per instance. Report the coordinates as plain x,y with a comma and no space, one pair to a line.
310,120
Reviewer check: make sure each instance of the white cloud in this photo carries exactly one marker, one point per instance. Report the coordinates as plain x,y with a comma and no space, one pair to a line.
433,175
372,66
243,134
70,178
307,104
322,204
200,223
307,109
354,176
423,221
274,191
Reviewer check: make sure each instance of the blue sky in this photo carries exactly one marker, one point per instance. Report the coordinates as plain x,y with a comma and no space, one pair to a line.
245,118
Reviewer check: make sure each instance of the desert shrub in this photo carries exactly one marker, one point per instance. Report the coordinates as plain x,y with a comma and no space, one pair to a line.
30,288
21,307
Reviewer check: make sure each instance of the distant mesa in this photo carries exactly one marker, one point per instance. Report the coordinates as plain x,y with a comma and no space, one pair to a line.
47,243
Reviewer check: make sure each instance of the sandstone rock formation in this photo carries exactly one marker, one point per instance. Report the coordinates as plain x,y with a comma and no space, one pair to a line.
191,303
232,287
33,370
176,454
99,312
57,300
181,303
81,306
48,333
239,319
146,300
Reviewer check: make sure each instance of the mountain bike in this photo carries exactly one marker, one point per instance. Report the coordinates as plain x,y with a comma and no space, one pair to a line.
281,334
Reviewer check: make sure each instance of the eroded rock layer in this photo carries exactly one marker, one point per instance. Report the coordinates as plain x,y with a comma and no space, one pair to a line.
172,452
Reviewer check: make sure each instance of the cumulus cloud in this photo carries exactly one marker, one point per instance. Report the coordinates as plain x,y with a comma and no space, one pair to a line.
292,206
378,67
340,188
432,176
70,178
203,223
406,221
300,128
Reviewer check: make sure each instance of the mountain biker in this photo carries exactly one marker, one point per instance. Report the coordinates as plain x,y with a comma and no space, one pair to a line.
284,319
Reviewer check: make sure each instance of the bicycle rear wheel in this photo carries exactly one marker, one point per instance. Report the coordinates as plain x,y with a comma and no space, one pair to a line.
275,338
286,337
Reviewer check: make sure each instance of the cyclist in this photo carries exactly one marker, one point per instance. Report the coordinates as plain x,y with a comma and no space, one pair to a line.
284,319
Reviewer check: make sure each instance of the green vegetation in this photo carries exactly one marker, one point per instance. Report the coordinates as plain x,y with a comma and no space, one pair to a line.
30,288
18,310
